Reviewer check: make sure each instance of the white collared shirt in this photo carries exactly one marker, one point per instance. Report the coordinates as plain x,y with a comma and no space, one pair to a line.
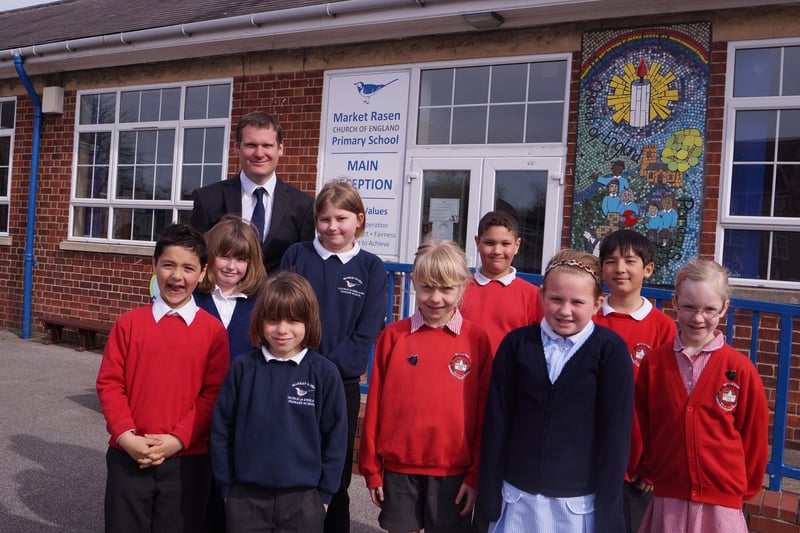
638,315
344,257
505,280
295,358
186,312
249,199
225,304
559,350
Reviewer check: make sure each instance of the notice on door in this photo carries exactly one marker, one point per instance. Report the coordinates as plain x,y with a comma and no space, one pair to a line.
363,142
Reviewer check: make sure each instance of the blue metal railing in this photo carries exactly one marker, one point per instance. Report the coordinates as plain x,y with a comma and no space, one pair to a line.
398,306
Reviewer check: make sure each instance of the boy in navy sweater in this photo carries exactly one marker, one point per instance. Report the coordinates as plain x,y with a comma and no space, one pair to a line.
278,436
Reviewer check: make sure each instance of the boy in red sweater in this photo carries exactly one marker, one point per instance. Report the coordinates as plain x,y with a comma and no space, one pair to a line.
162,369
626,258
495,298
703,416
422,427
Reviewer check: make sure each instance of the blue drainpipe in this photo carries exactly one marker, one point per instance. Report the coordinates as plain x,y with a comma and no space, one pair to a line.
29,260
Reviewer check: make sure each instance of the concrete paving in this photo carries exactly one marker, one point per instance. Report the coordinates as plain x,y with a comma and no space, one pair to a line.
53,441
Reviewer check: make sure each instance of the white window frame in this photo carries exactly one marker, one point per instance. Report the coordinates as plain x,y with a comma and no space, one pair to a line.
175,203
6,199
732,106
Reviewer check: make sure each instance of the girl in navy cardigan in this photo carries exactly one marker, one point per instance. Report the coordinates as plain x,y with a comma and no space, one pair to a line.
235,274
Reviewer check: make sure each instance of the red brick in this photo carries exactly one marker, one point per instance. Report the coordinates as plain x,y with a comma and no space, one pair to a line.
753,505
788,510
771,504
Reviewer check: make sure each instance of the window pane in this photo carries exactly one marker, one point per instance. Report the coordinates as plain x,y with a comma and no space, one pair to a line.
166,147
127,148
196,102
92,168
745,253
751,190
171,104
4,192
787,191
90,222
129,106
436,87
191,180
506,124
789,136
92,182
183,216
523,194
7,115
445,205
3,218
5,152
509,83
146,147
144,182
97,108
214,145
547,81
151,105
219,101
545,123
193,144
791,71
757,72
163,185
469,125
754,138
125,183
472,85
785,256
433,126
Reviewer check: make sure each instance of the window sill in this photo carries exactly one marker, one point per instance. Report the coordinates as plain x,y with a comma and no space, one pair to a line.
103,248
5,240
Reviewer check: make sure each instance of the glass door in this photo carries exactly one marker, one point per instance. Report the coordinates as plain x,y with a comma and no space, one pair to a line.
448,196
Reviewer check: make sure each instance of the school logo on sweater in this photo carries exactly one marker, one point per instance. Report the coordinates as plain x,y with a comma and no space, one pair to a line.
352,285
460,365
638,353
302,393
728,396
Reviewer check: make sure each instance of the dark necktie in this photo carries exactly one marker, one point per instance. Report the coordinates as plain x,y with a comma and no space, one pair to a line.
258,212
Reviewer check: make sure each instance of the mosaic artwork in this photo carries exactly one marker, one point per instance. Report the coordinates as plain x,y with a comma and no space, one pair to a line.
641,138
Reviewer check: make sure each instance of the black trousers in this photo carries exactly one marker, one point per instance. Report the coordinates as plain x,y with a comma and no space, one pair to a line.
168,498
338,518
253,509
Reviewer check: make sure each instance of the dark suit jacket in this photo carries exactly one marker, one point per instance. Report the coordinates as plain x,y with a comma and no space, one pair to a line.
292,215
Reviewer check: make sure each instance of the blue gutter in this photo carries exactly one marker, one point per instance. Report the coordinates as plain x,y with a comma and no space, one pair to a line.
29,259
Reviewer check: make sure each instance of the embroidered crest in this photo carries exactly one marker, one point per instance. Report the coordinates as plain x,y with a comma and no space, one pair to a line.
638,353
728,396
460,365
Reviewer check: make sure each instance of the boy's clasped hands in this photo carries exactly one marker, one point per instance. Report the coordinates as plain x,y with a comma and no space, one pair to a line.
150,450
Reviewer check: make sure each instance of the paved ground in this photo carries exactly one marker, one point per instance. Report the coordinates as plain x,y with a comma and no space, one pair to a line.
53,442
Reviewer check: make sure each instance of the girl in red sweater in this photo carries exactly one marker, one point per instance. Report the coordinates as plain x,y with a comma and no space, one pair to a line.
703,415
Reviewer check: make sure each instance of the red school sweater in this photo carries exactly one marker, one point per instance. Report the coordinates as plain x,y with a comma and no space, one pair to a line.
499,308
710,447
163,377
427,395
641,336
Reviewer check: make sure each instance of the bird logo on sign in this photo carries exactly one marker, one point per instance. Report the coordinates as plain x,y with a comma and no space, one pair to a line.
367,90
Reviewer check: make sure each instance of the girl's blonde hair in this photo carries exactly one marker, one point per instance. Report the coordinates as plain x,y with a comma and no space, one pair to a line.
576,261
705,270
339,194
233,236
286,296
441,264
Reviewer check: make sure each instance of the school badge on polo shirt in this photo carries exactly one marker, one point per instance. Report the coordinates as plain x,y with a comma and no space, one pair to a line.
638,353
728,396
460,365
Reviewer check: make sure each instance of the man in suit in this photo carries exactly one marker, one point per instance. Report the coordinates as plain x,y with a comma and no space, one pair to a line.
283,214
